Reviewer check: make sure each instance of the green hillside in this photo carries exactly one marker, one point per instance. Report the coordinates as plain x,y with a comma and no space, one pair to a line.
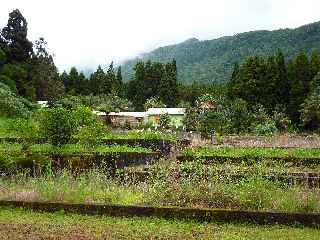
212,60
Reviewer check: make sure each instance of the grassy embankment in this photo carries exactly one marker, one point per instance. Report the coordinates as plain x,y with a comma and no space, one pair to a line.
24,224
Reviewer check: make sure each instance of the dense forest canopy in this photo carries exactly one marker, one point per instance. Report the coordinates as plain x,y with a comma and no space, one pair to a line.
212,60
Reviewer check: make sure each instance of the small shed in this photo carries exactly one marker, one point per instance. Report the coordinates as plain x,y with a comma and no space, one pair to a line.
176,115
134,119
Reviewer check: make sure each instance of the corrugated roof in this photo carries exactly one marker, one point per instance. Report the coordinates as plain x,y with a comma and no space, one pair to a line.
170,111
129,114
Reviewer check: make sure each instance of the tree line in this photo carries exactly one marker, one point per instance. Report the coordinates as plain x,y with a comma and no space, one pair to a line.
275,83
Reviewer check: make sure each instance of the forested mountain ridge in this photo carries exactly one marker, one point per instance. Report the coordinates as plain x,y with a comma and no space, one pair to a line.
212,60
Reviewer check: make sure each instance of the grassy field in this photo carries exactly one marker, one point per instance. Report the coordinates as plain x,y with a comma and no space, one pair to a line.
26,224
178,185
250,152
72,148
141,135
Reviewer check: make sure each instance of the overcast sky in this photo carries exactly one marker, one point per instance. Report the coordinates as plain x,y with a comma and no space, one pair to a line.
88,33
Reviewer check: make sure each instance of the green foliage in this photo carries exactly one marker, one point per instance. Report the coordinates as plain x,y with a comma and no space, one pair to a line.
25,128
153,102
300,86
271,83
206,98
9,82
71,149
156,80
266,129
68,102
3,57
164,121
45,74
142,135
281,120
91,135
212,122
212,60
59,124
112,103
12,105
310,113
239,117
128,227
15,75
103,83
106,103
191,120
15,35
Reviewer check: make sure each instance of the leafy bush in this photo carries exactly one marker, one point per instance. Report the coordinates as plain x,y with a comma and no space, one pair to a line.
281,121
191,119
9,82
90,135
69,102
26,128
60,124
164,120
154,102
238,115
105,103
310,113
266,129
213,121
148,124
12,105
2,57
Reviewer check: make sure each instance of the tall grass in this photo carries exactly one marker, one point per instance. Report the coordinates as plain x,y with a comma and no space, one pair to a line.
183,185
72,148
251,152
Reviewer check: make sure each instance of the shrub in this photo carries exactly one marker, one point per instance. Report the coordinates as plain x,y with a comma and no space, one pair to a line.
153,102
60,124
164,120
310,113
191,120
281,121
69,102
239,116
27,129
12,105
212,122
148,124
91,135
266,128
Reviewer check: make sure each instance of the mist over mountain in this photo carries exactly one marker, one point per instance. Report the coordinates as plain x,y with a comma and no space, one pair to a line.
212,60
